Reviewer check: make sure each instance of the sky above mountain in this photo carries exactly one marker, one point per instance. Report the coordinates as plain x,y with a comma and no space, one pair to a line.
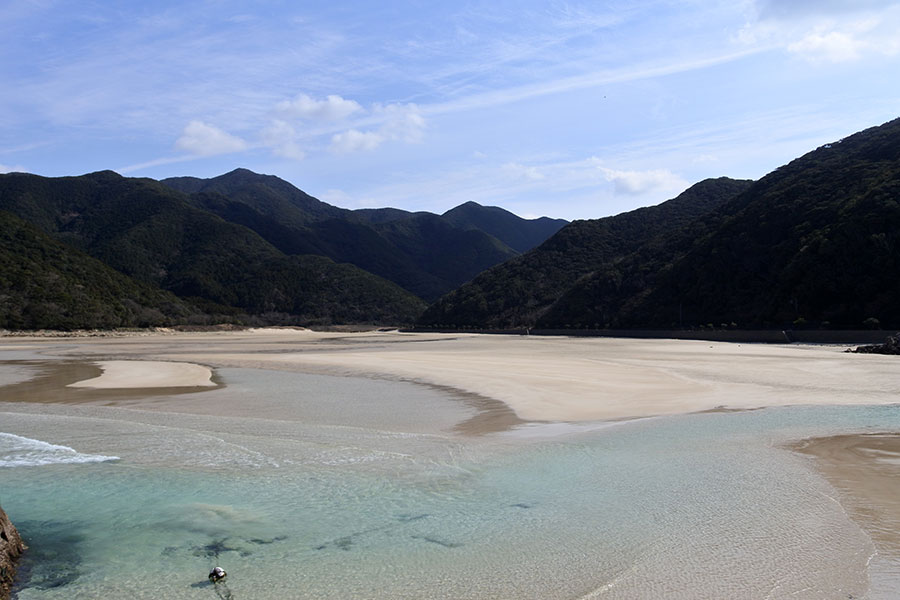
566,109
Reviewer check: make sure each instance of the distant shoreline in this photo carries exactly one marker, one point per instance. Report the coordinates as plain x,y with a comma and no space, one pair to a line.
748,336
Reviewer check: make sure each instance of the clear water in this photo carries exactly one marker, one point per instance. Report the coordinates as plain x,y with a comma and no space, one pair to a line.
699,506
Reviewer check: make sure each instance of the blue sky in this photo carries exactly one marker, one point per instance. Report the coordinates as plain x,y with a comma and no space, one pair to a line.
566,109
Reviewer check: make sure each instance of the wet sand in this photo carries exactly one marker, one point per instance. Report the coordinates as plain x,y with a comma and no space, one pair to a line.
130,374
865,471
538,378
505,381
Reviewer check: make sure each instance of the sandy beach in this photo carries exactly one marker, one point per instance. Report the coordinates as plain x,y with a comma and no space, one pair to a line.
125,374
540,378
499,383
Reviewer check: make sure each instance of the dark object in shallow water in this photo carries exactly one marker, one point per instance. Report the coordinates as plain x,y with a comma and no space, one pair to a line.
217,574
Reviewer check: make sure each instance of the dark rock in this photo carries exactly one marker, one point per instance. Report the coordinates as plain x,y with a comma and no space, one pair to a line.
11,546
890,346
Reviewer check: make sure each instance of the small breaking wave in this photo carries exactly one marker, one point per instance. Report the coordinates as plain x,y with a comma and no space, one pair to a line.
18,451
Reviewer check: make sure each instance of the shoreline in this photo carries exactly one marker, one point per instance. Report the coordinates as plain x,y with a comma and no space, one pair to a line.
864,469
507,383
538,378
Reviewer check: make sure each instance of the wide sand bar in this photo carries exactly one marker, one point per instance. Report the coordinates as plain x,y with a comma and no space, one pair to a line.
579,379
133,374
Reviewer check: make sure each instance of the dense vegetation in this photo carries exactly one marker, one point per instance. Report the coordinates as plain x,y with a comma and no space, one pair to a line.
426,254
816,243
518,292
45,284
153,235
519,234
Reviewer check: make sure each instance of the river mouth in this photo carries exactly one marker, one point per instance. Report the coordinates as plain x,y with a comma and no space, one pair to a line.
336,485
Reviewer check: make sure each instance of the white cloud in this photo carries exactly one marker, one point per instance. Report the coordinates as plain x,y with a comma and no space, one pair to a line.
281,137
400,122
354,140
332,108
635,183
520,171
12,169
206,140
827,31
403,122
833,46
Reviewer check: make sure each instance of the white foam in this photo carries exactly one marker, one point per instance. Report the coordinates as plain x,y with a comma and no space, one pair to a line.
18,451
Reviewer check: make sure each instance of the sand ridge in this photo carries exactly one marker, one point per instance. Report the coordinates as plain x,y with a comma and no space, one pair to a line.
539,378
583,379
139,374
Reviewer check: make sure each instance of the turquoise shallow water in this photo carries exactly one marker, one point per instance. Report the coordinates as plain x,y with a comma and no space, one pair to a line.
698,506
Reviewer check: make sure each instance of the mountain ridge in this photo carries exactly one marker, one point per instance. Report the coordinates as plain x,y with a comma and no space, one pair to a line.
401,246
814,244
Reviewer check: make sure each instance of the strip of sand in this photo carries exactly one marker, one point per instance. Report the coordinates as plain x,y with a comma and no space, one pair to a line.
134,374
582,379
539,378
865,469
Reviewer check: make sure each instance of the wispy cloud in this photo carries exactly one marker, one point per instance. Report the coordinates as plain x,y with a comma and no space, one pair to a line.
549,94
398,123
353,141
588,80
206,140
636,183
827,31
282,138
332,108
12,169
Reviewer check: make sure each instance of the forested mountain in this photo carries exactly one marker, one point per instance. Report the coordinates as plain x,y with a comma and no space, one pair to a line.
424,253
268,195
816,243
519,234
518,292
154,235
44,284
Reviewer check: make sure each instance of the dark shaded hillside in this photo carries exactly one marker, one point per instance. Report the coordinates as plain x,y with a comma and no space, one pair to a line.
150,232
519,292
267,194
519,234
381,215
448,256
816,243
424,253
45,284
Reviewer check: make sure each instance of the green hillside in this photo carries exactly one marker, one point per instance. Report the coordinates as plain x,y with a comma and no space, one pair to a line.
517,293
152,233
519,234
426,254
816,243
45,284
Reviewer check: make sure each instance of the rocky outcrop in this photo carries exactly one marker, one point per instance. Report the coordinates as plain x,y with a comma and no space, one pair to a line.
891,346
11,547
